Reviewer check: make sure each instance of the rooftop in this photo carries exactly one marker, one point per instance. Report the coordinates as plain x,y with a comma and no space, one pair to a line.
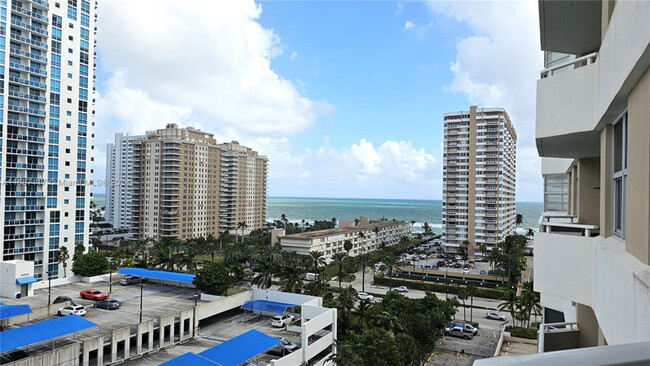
353,229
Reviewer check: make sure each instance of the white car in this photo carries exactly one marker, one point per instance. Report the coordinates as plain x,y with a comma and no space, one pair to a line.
496,316
465,270
280,321
365,296
72,309
401,289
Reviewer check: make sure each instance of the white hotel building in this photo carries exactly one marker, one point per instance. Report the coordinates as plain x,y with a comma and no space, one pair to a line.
592,254
478,197
46,123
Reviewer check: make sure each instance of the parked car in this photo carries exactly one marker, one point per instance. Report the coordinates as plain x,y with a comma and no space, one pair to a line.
131,280
434,267
495,315
465,270
483,272
458,332
468,327
93,294
457,265
401,289
283,348
281,320
61,299
72,309
442,263
365,296
108,304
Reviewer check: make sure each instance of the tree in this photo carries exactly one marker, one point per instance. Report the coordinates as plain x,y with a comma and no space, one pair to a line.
318,287
483,249
316,259
465,248
79,250
211,245
364,260
242,225
90,264
510,304
264,277
62,256
427,228
347,245
519,219
363,306
339,260
471,291
530,232
214,279
463,295
390,261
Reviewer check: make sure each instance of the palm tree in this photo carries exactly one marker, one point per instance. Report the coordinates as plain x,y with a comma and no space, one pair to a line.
231,253
242,225
363,306
510,305
519,219
483,249
347,298
62,256
364,260
530,232
339,260
211,246
347,245
463,295
390,261
318,287
471,291
427,228
264,278
316,259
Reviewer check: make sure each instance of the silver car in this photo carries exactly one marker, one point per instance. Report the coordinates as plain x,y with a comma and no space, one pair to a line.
459,332
495,316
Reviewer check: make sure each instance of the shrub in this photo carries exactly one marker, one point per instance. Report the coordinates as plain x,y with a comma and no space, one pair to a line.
489,293
90,264
214,279
521,332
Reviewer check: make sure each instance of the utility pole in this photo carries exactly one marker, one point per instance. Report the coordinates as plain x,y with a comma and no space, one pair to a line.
141,293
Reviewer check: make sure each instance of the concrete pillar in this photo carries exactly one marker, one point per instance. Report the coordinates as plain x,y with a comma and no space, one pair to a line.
637,196
588,325
606,172
145,327
166,321
93,344
186,332
120,335
606,15
471,187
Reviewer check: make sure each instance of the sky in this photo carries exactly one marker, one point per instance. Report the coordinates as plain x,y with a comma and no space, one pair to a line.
346,98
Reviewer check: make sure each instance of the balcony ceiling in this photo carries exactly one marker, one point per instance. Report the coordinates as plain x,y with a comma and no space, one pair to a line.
575,145
572,27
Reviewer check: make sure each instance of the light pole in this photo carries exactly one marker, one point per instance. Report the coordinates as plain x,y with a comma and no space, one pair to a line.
446,284
141,295
110,278
49,290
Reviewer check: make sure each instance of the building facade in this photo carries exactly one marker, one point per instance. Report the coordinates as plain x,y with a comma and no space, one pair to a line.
479,161
592,254
123,171
365,235
184,184
47,64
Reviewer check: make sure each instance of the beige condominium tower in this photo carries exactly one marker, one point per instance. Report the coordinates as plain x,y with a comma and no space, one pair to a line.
188,185
478,190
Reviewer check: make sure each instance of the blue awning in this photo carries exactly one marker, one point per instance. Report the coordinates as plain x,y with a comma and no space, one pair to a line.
42,331
158,275
189,359
240,349
25,280
267,306
8,311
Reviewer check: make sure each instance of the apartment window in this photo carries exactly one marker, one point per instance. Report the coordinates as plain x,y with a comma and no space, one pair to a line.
620,174
556,192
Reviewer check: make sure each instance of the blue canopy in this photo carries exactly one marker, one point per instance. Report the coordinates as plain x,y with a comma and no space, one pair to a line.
42,331
267,306
240,349
7,311
158,275
25,280
189,359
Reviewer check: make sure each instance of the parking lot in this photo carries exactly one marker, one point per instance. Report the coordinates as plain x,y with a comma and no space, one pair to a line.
158,300
482,345
454,266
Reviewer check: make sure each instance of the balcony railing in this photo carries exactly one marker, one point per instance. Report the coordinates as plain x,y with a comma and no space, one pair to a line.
570,65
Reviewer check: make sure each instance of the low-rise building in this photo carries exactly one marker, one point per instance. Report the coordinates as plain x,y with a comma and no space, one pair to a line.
365,235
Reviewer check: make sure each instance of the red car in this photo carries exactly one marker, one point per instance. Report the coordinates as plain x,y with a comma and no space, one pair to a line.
93,295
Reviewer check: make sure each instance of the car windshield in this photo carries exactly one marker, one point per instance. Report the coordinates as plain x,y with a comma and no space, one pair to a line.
96,292
277,317
79,308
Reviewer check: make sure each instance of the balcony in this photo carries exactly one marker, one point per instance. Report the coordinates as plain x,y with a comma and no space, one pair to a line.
566,102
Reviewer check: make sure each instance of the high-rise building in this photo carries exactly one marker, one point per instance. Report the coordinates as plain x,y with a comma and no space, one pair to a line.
592,254
123,171
478,197
47,73
180,182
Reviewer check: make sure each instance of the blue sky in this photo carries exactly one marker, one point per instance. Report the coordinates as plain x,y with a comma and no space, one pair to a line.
346,98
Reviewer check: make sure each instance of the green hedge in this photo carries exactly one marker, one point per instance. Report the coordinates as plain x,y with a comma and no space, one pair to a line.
489,293
520,332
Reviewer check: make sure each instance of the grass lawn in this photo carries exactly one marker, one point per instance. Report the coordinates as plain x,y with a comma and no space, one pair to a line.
208,258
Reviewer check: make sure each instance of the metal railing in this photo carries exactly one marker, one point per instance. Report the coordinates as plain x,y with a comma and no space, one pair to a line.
570,65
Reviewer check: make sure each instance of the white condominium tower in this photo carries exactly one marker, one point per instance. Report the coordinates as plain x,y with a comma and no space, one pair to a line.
123,167
46,71
179,182
478,194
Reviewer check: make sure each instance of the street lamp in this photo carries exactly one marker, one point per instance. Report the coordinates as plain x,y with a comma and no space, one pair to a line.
49,289
141,295
446,284
110,278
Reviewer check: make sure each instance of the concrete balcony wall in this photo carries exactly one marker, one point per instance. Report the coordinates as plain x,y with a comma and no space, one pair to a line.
599,273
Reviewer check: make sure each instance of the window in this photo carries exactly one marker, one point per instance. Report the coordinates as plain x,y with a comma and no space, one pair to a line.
556,192
620,174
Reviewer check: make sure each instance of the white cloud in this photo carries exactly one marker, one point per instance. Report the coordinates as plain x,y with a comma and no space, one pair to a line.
408,25
214,66
498,65
398,11
294,55
418,30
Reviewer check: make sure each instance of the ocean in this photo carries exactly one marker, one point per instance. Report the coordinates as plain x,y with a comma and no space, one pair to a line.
310,209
